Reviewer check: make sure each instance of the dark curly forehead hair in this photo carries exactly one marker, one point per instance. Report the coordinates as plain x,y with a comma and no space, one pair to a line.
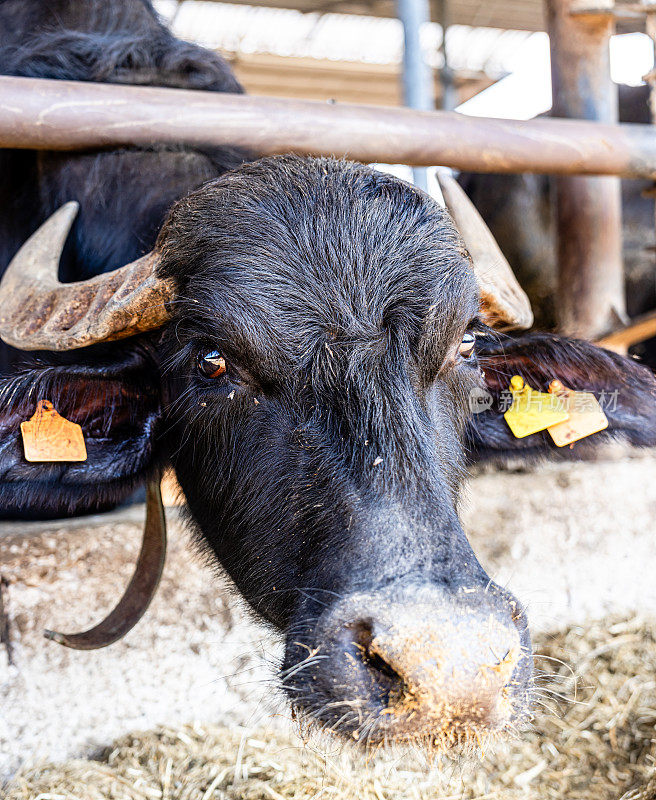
331,242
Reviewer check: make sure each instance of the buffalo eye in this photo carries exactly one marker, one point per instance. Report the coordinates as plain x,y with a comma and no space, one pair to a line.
211,364
467,345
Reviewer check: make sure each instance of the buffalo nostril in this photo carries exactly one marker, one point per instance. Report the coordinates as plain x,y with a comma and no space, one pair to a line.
400,670
378,670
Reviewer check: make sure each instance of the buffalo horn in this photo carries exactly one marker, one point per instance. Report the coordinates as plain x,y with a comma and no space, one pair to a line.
37,312
141,589
503,301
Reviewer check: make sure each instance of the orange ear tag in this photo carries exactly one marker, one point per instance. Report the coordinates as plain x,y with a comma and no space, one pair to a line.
50,437
586,416
532,411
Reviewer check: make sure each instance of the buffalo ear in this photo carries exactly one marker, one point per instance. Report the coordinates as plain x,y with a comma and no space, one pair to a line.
115,400
625,388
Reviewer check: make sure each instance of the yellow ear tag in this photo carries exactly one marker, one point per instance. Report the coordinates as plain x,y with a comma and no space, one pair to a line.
50,437
532,411
586,416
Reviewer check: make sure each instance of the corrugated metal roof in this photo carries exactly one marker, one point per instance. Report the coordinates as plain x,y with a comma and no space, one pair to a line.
527,15
233,28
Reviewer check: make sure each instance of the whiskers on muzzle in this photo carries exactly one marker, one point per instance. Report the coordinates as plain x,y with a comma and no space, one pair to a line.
450,679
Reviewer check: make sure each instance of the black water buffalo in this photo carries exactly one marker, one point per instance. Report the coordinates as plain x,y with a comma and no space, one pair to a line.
519,211
318,336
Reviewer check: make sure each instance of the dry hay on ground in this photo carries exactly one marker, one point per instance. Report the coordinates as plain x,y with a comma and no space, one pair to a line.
598,743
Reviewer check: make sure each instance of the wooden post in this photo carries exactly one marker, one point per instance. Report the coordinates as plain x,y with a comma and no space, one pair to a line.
650,28
590,294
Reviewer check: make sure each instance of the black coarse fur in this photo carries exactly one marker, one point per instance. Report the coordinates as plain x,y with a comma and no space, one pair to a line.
337,295
325,463
108,42
124,196
117,402
322,466
124,193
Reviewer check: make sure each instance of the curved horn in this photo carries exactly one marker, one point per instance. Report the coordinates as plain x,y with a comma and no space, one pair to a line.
503,301
141,589
37,312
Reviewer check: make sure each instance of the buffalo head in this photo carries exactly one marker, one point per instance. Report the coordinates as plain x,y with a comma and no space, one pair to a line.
316,331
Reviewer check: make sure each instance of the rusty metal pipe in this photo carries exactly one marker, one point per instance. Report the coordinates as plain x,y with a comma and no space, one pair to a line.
590,296
61,115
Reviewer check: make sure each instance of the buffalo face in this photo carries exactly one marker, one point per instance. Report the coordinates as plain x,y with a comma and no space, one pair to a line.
308,340
320,363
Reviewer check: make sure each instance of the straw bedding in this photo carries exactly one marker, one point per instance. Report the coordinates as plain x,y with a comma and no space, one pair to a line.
593,737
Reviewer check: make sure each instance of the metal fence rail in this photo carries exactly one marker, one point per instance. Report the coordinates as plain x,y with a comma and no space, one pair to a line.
61,115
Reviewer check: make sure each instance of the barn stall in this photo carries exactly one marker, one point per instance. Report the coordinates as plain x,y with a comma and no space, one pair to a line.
192,687
572,540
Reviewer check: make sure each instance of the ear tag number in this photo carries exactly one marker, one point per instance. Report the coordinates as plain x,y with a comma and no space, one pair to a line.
532,411
586,416
50,437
